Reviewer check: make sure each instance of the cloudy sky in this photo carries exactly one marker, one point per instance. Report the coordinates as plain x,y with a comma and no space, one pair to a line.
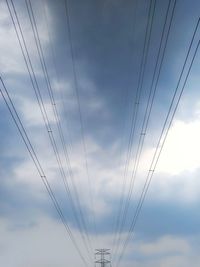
93,84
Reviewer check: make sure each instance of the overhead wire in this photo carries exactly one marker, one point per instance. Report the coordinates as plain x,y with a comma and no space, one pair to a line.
124,129
164,132
150,101
133,121
58,120
76,87
53,56
54,63
151,98
22,131
37,92
148,31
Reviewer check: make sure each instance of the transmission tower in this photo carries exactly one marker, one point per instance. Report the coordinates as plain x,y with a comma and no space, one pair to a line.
102,257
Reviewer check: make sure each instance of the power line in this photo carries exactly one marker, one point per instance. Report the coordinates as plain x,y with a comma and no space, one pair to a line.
150,102
124,128
54,63
61,132
75,79
133,125
163,137
21,129
35,85
58,121
142,68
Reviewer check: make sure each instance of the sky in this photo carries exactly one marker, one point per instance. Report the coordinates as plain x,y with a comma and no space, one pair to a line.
94,73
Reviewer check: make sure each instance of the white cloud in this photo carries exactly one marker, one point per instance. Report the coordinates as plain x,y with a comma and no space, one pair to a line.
165,251
181,151
12,61
45,243
177,172
38,245
165,245
31,112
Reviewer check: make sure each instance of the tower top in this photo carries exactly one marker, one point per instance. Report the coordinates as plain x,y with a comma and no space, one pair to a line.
102,257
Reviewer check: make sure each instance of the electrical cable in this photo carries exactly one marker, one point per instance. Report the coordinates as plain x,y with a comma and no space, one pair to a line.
148,32
162,139
75,78
35,85
149,106
21,129
58,121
